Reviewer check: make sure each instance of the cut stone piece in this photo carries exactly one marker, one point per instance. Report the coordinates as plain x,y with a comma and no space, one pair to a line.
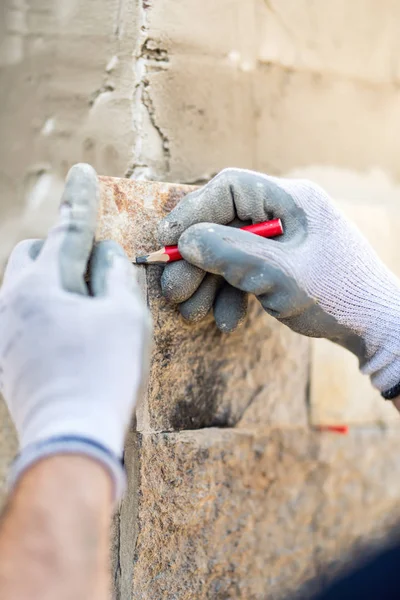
201,377
240,514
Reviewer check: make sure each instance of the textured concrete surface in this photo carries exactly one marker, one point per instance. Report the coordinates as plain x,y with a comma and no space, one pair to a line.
339,121
322,37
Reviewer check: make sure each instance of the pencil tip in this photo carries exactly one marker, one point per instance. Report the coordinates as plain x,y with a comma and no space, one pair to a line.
141,260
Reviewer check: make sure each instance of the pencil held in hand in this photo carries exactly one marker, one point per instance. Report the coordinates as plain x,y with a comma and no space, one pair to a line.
267,229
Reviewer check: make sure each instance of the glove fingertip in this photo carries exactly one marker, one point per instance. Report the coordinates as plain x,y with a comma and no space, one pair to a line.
199,305
230,309
168,231
193,312
82,173
180,280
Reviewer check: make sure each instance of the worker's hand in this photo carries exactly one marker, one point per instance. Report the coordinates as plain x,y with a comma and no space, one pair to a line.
72,358
321,278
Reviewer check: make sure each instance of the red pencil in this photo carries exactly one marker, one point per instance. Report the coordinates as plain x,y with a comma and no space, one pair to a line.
343,429
167,254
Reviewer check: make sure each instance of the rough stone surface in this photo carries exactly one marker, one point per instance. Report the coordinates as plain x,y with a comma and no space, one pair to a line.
207,383
242,514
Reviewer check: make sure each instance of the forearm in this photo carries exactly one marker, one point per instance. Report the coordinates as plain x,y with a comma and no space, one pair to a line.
396,403
54,532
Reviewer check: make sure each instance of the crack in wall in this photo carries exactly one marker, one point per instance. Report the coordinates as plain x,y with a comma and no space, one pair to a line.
150,56
151,50
119,21
103,89
148,103
117,552
290,32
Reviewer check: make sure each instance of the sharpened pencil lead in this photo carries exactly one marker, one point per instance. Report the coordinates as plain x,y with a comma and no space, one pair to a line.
141,260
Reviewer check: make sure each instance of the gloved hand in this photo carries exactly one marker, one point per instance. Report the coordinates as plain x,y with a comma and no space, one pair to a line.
71,363
321,278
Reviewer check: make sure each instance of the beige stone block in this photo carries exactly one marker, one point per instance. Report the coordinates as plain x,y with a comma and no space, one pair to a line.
224,514
357,39
66,98
221,29
232,514
204,110
339,392
380,224
359,510
201,377
315,119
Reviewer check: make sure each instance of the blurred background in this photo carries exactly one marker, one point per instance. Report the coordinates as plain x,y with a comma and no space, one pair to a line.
175,91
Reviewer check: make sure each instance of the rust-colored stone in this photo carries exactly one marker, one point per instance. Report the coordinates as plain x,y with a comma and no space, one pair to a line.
130,210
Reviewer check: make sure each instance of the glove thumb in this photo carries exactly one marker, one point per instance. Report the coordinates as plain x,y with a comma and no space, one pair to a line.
247,261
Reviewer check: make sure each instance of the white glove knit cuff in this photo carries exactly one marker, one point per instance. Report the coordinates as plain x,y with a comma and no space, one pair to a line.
70,445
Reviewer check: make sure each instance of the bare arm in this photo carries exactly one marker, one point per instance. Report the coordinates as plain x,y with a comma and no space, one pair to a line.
54,533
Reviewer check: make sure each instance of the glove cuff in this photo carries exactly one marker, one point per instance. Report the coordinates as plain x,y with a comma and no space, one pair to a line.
392,393
70,445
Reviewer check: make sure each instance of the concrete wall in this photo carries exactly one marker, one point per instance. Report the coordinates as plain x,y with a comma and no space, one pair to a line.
233,493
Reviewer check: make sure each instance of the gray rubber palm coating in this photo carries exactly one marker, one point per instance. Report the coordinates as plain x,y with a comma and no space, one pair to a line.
230,308
200,303
180,280
235,196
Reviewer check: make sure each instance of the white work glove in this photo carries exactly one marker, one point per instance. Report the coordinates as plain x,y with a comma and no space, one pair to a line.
71,363
321,278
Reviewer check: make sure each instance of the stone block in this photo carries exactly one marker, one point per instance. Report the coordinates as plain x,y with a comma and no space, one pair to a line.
194,109
321,37
239,514
199,376
340,394
218,29
58,112
317,119
204,110
359,511
224,514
